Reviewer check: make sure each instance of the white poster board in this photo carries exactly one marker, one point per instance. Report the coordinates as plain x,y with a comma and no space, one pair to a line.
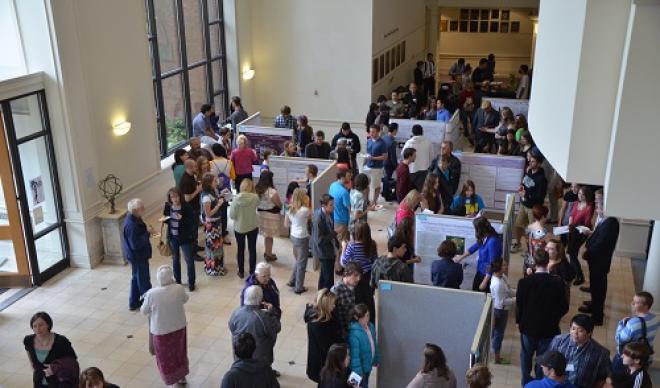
494,176
433,229
254,119
433,130
517,106
286,170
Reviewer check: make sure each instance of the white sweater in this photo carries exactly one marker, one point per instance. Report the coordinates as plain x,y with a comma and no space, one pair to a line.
164,306
503,295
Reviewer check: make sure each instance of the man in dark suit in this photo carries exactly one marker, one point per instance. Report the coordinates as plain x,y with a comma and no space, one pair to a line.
598,254
324,241
540,304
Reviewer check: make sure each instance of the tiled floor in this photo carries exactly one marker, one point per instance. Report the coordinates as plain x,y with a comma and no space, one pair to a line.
90,308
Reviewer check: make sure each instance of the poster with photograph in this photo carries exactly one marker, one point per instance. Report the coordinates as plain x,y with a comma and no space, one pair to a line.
261,139
37,191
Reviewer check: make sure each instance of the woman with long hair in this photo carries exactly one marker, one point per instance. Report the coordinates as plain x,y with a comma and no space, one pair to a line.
92,377
405,232
537,234
243,211
335,371
503,299
363,251
180,156
224,170
371,115
431,199
211,202
305,134
467,203
167,326
269,209
434,373
359,195
407,206
297,218
581,217
489,246
363,342
180,220
559,265
323,330
203,166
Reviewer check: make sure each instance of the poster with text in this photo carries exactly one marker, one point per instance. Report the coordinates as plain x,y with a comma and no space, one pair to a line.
261,139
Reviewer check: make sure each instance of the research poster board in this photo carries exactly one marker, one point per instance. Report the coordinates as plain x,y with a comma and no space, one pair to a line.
286,170
517,106
265,138
494,176
412,315
432,229
433,130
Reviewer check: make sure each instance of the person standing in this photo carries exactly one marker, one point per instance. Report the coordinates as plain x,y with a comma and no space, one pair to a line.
435,372
341,213
247,371
523,85
425,155
167,326
540,304
503,299
137,250
262,278
641,326
324,240
598,254
345,291
391,162
377,154
268,211
457,68
441,113
445,272
286,120
323,330
588,362
180,234
404,182
243,211
395,106
297,217
532,192
211,202
190,187
178,169
319,148
362,250
335,371
45,347
352,141
258,319
223,168
581,216
238,114
448,167
391,266
242,159
365,352
201,123
489,246
429,75
635,360
553,364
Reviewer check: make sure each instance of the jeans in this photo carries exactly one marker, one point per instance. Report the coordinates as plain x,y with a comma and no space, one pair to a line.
500,317
252,249
365,381
300,249
140,281
327,275
188,250
528,347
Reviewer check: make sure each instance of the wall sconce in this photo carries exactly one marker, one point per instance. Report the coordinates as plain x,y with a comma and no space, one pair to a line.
248,74
122,128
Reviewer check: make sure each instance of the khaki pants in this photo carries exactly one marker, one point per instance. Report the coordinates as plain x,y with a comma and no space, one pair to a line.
524,218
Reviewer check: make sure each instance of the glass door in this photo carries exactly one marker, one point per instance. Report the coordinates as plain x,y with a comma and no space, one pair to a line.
14,269
31,149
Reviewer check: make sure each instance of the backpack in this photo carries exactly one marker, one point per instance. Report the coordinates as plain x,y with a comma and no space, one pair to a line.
644,341
223,177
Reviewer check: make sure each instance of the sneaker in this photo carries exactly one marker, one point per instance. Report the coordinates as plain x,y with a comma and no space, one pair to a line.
241,275
222,271
290,284
191,287
298,292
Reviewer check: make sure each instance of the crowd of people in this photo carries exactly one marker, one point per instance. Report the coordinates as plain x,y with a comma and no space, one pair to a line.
214,184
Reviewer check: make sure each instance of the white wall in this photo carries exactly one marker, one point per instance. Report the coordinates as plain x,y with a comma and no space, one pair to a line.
393,22
298,47
511,49
12,63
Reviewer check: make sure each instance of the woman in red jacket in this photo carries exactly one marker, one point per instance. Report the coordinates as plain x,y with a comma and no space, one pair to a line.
581,216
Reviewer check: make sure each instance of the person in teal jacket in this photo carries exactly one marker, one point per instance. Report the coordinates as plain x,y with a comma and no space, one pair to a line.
363,344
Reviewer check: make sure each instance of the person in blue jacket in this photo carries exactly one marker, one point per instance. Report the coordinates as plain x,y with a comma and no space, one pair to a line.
489,245
445,272
137,250
363,344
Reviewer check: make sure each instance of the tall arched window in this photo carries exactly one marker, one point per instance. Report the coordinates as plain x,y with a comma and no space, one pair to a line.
187,45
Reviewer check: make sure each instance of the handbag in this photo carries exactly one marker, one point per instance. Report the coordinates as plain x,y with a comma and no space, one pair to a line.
163,247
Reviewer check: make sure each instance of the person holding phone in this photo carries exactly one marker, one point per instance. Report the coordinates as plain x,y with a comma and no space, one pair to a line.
335,371
363,344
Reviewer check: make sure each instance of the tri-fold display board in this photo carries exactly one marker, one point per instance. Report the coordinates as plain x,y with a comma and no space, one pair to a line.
411,315
286,170
518,106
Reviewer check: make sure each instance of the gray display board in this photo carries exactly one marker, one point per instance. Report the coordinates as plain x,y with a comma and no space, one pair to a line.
254,119
432,229
494,176
518,107
321,184
411,315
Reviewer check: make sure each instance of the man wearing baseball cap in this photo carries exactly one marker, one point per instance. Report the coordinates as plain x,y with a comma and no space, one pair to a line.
554,371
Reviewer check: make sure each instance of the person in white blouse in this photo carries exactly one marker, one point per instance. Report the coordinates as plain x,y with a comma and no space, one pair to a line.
167,326
298,218
523,86
503,299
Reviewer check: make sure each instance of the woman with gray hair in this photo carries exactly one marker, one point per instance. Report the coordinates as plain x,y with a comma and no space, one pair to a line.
262,278
167,326
137,250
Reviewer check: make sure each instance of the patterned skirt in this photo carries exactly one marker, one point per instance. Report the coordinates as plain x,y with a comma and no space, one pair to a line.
214,248
269,224
172,356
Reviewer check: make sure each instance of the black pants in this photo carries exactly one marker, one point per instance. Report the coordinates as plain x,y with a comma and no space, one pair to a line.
223,218
478,278
239,179
365,294
252,249
598,286
327,275
196,228
388,187
575,241
429,86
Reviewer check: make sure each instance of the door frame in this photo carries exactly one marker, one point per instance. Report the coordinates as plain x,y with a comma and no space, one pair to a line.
14,231
38,276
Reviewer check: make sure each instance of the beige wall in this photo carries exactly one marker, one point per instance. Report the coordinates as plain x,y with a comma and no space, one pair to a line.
511,49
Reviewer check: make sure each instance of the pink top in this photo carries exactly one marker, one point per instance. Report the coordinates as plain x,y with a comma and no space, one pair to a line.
243,159
582,217
403,212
